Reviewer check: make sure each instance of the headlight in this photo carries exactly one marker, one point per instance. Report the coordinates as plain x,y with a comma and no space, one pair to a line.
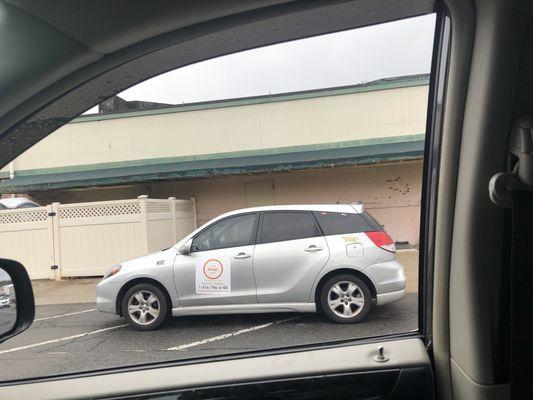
112,271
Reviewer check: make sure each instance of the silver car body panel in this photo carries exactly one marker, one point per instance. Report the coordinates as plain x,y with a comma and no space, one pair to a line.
285,271
245,309
356,251
390,297
157,267
277,277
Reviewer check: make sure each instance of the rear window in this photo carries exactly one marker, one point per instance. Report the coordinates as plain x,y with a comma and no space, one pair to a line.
335,223
280,226
371,221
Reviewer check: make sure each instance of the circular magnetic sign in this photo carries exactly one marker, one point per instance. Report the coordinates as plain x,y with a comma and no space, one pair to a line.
213,269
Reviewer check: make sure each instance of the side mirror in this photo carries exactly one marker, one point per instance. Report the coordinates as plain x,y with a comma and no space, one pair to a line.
186,247
17,305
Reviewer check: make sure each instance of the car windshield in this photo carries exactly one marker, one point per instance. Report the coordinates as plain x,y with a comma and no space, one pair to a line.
260,200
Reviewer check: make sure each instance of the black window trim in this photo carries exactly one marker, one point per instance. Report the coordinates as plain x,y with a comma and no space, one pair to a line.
252,236
438,82
260,225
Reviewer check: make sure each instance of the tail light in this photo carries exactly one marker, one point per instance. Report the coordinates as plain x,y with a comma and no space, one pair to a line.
382,240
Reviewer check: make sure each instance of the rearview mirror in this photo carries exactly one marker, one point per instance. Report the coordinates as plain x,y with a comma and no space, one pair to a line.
17,305
186,247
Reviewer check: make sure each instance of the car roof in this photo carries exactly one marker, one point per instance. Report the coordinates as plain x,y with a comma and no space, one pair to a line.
15,202
344,208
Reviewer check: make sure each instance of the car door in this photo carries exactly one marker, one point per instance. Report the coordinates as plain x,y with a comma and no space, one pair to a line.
218,270
289,253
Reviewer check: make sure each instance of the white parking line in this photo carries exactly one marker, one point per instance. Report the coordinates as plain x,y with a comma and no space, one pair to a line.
65,315
227,335
80,335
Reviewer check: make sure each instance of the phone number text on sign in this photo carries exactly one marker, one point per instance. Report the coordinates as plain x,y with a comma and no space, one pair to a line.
213,275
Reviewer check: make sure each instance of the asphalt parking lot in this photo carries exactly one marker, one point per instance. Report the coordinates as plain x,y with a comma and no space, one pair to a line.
70,336
8,317
75,337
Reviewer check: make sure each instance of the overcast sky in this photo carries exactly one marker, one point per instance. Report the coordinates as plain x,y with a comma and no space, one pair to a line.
338,59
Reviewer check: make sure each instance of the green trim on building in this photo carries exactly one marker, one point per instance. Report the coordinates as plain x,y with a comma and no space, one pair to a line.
287,159
382,84
219,156
354,152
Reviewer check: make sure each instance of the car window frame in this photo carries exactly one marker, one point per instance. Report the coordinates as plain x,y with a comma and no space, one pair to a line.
261,219
252,236
358,341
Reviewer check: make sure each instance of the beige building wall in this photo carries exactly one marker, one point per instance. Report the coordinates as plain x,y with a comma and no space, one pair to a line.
391,193
337,118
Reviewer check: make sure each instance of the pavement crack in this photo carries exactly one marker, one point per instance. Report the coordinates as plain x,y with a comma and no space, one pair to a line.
59,345
104,339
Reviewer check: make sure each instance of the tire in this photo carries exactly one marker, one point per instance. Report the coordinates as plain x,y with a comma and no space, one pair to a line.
146,311
359,305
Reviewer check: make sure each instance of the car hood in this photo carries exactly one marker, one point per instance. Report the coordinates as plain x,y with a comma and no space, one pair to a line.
162,257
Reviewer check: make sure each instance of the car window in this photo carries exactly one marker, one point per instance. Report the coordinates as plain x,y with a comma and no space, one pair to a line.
333,223
268,145
231,232
371,221
281,226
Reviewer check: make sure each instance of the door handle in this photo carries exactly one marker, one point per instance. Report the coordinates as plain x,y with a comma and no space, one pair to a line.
241,256
313,248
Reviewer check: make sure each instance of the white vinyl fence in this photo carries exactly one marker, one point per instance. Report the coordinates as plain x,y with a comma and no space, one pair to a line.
85,239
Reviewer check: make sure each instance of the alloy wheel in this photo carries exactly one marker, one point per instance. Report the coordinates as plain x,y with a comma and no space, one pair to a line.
346,299
144,307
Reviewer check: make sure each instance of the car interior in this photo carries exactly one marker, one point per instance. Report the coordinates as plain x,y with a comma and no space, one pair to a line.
59,58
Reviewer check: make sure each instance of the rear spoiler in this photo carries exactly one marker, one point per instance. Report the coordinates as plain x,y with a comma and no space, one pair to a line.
358,206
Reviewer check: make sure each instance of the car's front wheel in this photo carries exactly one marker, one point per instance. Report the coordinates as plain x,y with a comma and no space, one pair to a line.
145,307
345,299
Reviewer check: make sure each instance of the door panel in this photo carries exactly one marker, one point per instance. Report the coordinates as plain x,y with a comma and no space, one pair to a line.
236,263
219,270
390,384
285,271
295,375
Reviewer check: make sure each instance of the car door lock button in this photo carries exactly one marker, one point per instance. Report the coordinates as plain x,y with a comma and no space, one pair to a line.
381,356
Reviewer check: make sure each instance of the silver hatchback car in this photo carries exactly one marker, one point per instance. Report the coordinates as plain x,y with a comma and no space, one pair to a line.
301,258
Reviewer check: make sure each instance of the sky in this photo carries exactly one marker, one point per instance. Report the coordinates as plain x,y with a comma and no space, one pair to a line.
344,58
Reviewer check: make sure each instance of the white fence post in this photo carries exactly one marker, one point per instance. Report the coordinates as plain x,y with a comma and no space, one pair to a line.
172,201
143,203
57,240
50,238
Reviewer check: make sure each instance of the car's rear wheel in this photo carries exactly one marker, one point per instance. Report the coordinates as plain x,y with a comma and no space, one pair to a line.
145,307
345,299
